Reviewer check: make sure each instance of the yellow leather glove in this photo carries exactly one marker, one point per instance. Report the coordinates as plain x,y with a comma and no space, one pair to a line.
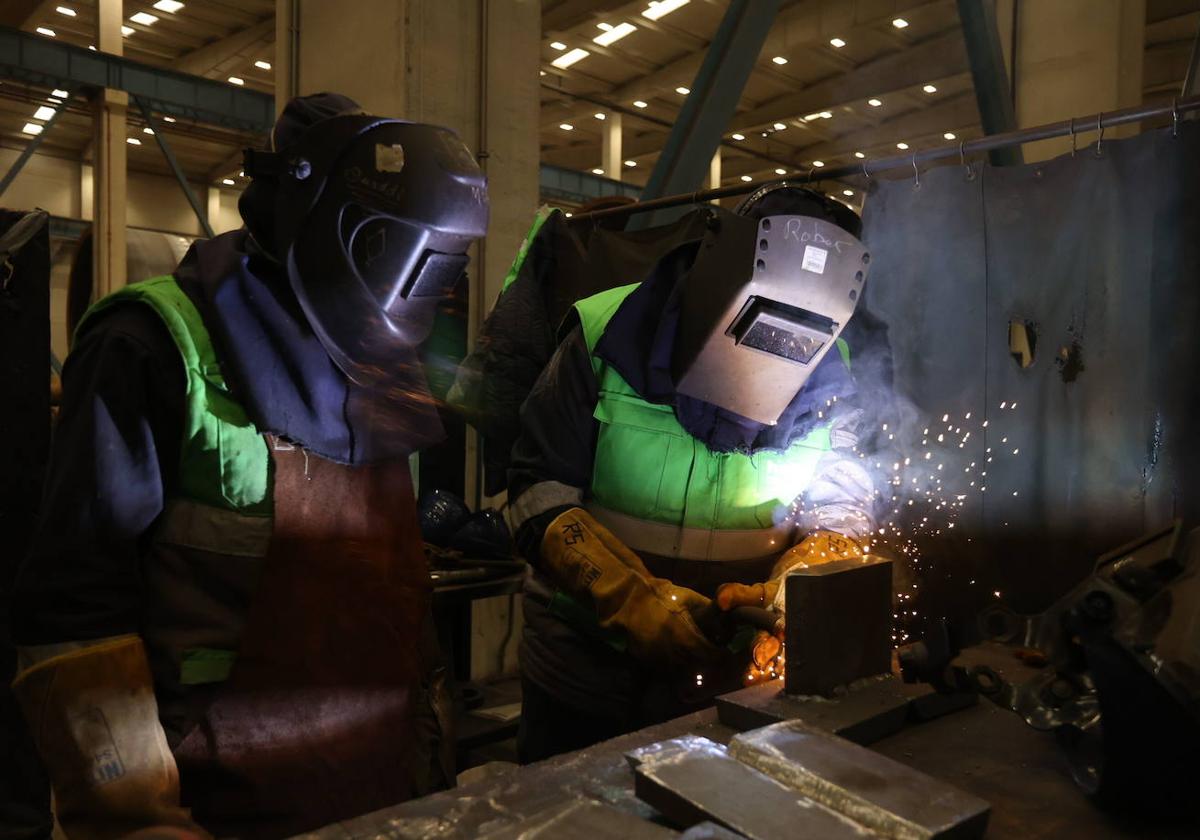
817,548
585,559
94,719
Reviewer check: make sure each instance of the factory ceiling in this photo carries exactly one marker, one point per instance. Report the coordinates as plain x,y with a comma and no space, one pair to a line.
836,79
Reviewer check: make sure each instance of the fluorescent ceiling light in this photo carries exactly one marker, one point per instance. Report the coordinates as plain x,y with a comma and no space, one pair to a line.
826,115
168,6
92,47
899,23
779,126
65,10
144,18
566,126
818,163
614,33
950,135
45,30
568,215
847,192
837,42
53,100
682,91
133,141
262,65
929,89
661,8
598,115
60,93
639,104
541,72
235,80
227,182
32,128
558,45
168,119
597,171
631,163
811,117
874,103
780,60
127,31
859,155
148,130
241,174
568,58
44,113
738,136
780,171
747,178
901,146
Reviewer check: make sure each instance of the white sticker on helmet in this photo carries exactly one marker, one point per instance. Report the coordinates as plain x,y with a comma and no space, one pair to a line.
814,259
389,158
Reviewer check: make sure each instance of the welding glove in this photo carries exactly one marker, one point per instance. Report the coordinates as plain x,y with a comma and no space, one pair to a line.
94,719
817,548
657,617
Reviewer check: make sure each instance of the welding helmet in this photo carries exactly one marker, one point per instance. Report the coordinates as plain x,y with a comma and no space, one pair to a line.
372,218
772,287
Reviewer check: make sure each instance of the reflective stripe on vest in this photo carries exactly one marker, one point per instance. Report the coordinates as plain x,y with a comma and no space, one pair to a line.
223,459
662,491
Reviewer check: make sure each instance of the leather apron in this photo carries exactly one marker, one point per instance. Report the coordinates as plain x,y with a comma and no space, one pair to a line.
336,705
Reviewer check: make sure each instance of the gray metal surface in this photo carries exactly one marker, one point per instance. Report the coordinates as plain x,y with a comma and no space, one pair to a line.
839,624
992,89
582,819
701,781
712,102
893,800
50,63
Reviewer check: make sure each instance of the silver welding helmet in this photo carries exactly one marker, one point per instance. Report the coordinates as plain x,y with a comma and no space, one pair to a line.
772,287
372,218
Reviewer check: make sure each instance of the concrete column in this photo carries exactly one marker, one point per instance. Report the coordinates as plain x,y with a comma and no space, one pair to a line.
213,206
1075,57
109,193
714,170
285,33
611,158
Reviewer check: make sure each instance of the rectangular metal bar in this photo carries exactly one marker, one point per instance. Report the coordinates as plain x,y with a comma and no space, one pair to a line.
43,61
883,795
992,89
581,819
200,211
702,782
711,102
31,147
839,624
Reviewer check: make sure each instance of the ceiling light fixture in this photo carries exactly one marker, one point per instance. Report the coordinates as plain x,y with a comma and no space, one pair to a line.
566,126
45,30
31,128
950,135
168,6
779,126
148,130
901,146
597,171
227,182
900,23
568,58
639,104
60,93
144,18
874,103
126,31
747,178
631,163
168,119
818,163
598,115
682,91
237,80
736,136
661,8
826,115
613,33
780,171
558,45
65,10
43,113
262,65
837,42
929,89
811,117
780,60
847,192
133,141
859,155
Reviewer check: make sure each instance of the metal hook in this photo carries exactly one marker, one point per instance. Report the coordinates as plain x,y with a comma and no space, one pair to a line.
916,173
1100,136
1175,116
1071,128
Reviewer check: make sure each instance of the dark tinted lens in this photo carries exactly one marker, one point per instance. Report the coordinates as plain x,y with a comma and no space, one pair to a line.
436,275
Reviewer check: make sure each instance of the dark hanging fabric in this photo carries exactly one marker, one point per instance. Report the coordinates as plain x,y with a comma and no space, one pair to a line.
1096,257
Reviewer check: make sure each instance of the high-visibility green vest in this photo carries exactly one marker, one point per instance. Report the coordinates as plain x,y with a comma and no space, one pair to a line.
649,468
223,457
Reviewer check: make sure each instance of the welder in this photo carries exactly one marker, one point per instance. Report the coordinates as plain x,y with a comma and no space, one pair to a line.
224,623
693,437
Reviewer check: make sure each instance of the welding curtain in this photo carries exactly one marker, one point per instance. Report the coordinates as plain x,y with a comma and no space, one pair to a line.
1099,254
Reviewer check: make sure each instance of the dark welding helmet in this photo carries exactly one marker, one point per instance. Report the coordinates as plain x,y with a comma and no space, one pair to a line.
773,286
372,218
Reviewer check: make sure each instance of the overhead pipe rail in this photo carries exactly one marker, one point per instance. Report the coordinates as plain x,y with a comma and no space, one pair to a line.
1071,127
